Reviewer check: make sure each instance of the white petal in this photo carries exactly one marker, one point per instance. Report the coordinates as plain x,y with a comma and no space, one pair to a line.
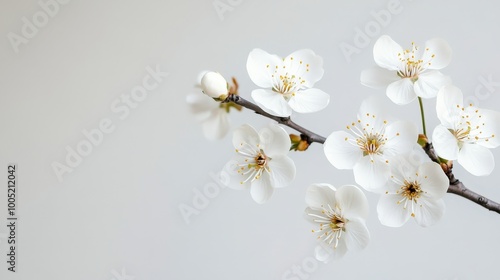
385,53
491,128
201,105
356,235
275,141
370,174
299,62
401,92
430,212
378,77
449,103
261,189
282,171
271,102
340,152
405,166
441,51
217,125
478,160
309,100
352,202
320,194
445,143
432,180
230,176
430,82
390,212
373,112
261,66
402,136
245,134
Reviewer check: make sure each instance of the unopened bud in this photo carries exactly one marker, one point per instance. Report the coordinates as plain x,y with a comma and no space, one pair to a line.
422,140
299,143
214,85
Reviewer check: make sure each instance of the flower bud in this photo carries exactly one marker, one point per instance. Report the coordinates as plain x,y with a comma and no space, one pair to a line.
214,85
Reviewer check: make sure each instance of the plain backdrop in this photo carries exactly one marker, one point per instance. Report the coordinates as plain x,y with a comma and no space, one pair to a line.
117,214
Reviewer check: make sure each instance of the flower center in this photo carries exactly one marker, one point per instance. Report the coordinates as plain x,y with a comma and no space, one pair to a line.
462,133
411,67
288,85
371,144
411,191
470,127
255,163
331,224
337,223
260,160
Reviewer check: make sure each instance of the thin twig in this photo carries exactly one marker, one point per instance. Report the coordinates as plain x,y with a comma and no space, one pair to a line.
311,136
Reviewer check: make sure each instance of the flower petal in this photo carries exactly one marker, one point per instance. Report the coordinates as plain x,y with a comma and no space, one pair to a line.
385,53
305,64
356,235
476,159
340,151
437,55
402,136
275,141
271,102
491,128
371,174
309,100
391,212
217,125
201,105
352,202
373,113
230,176
430,82
245,134
261,66
282,171
318,195
449,103
261,189
378,77
430,211
445,143
432,180
401,92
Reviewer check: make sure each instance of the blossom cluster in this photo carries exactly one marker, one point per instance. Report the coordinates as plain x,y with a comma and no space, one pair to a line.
376,147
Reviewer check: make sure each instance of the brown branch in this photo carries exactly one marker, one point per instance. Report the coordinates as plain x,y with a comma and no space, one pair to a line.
456,186
311,136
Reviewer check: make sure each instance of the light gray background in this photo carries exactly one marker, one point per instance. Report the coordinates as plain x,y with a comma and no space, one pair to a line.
118,211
